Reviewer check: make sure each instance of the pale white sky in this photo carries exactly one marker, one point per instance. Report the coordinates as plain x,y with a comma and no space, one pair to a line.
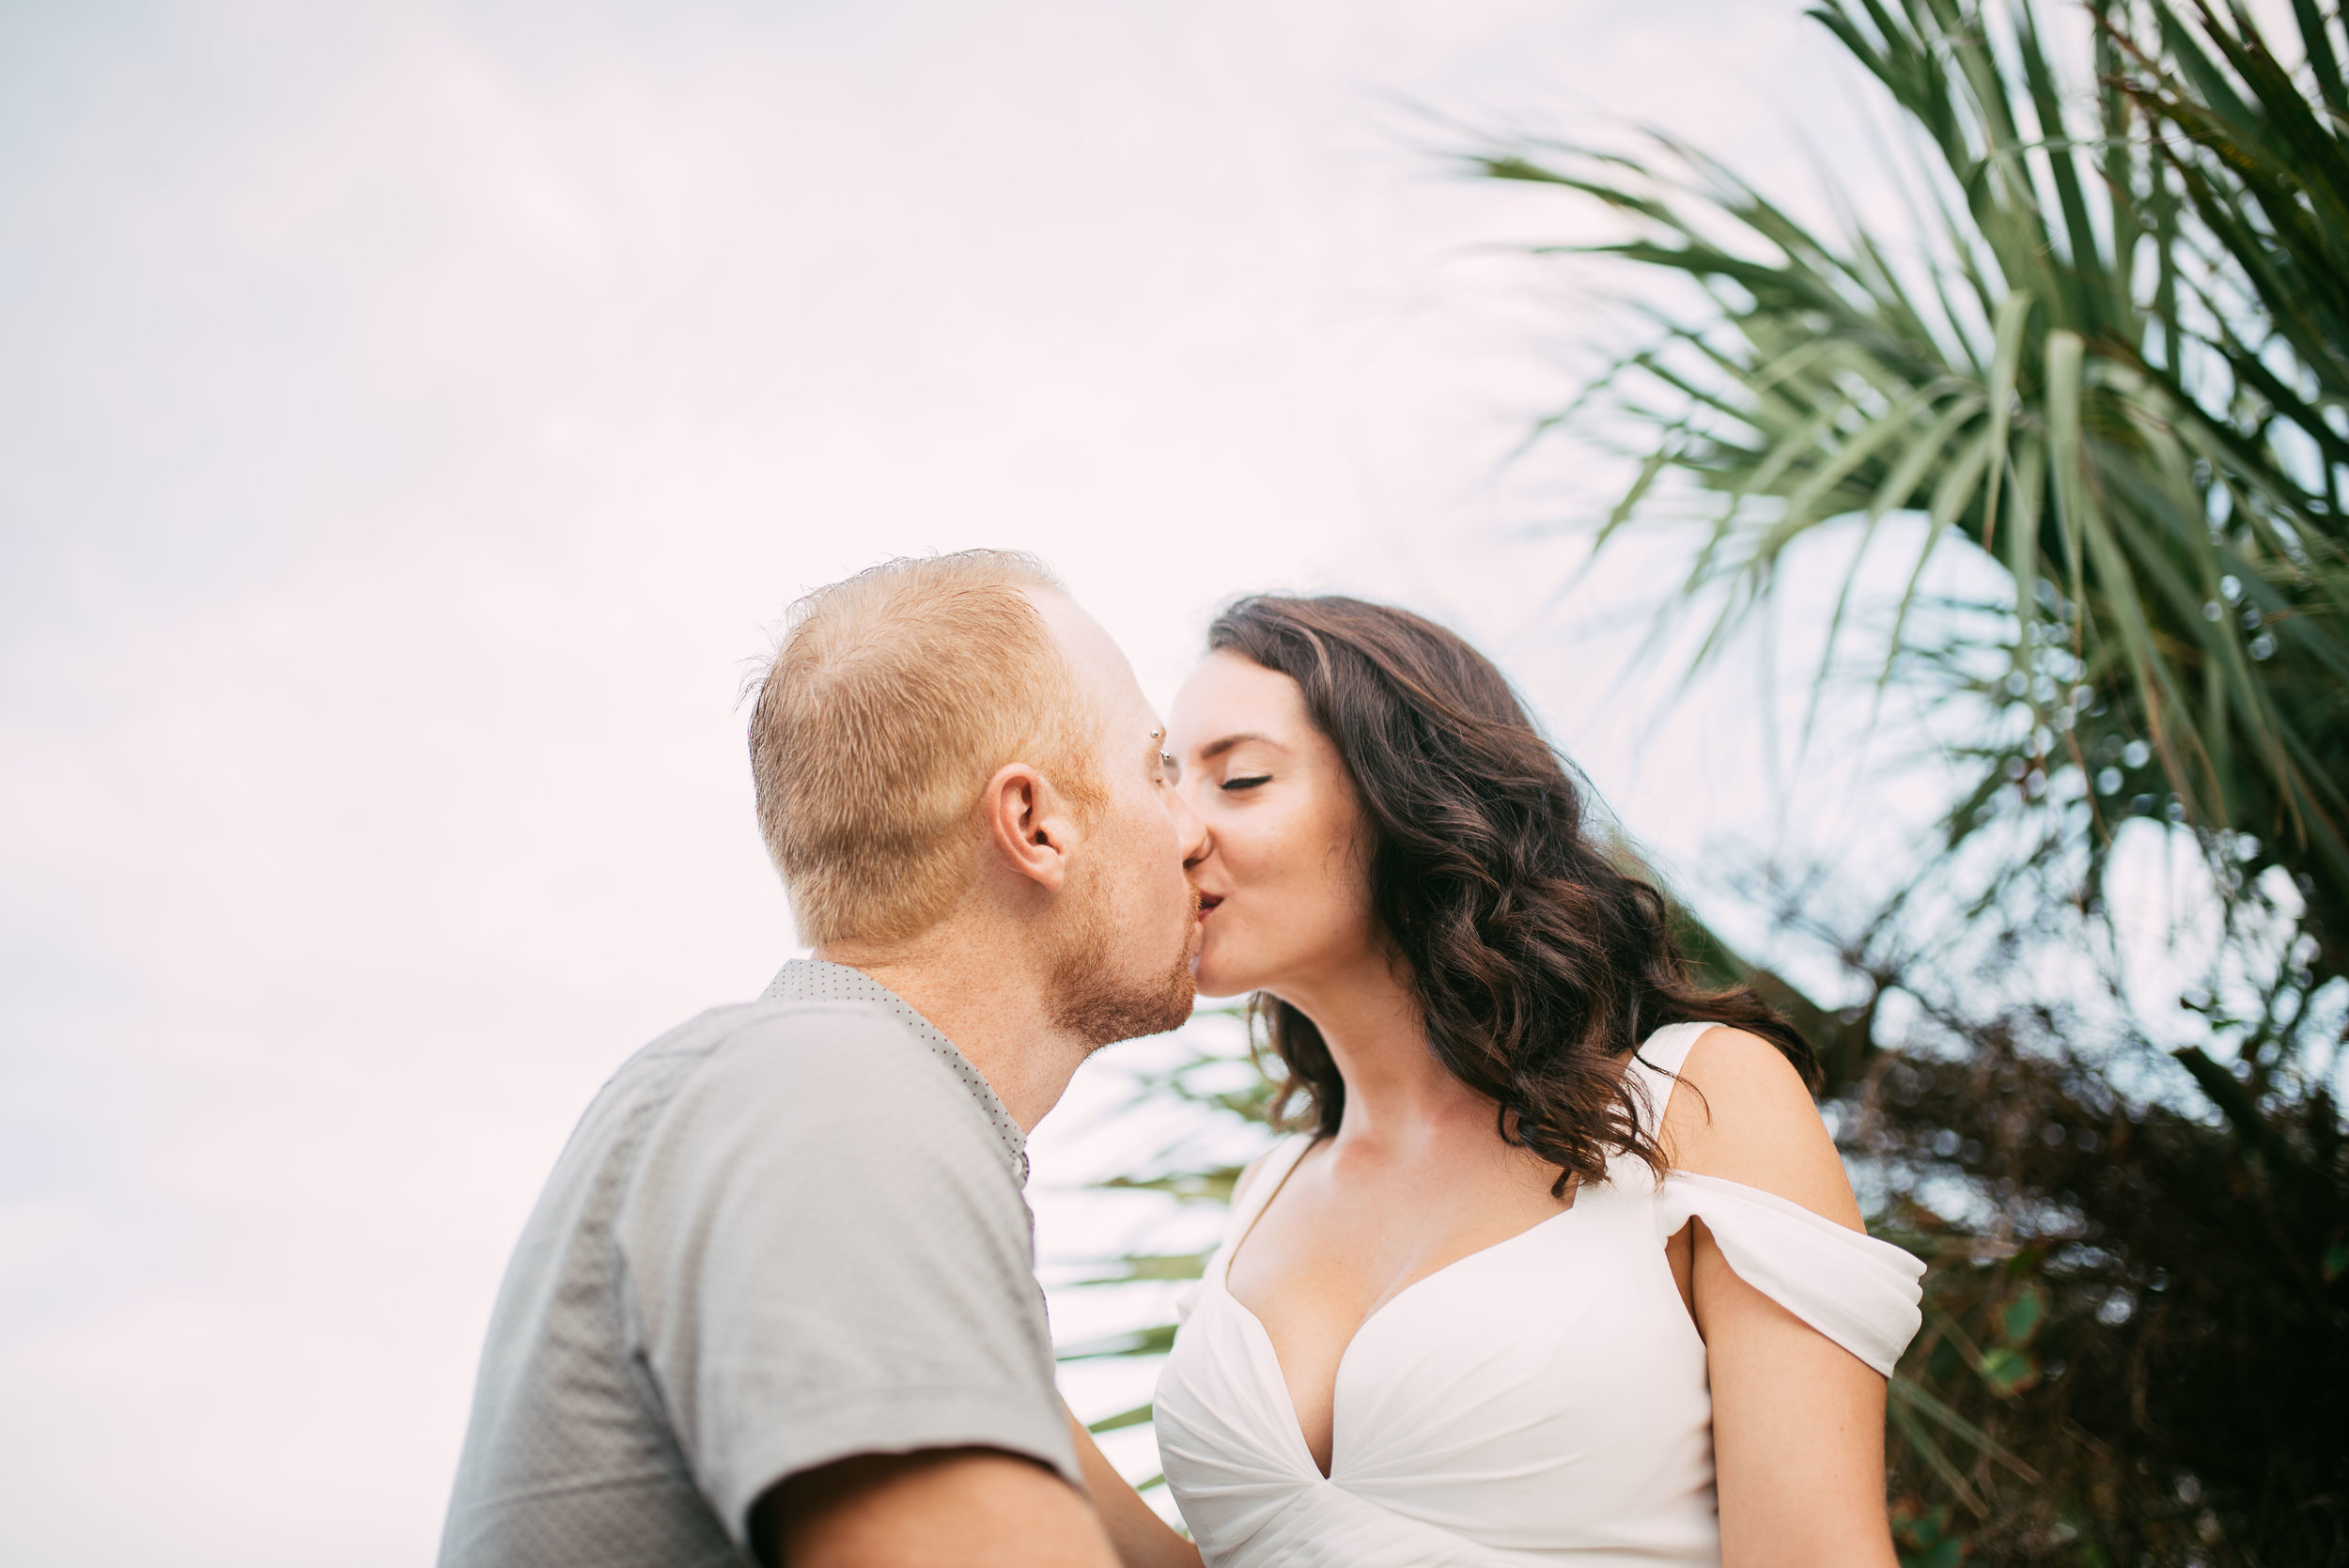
414,414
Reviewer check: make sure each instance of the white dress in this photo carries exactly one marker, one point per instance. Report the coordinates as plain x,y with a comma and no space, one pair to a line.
1543,1400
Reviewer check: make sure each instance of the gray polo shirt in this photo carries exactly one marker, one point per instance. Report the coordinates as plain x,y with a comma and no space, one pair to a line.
786,1233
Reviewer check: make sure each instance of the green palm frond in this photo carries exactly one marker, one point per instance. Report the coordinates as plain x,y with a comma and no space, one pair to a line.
2120,373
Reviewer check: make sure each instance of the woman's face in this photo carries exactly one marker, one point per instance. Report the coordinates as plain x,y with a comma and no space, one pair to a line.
1284,901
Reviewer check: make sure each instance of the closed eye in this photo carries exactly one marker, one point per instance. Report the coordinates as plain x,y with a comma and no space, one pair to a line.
1248,783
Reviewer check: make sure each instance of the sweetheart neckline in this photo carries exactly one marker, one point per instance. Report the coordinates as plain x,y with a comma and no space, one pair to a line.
1296,1423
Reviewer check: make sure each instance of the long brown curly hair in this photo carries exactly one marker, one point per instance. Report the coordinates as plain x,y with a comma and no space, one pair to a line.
1537,961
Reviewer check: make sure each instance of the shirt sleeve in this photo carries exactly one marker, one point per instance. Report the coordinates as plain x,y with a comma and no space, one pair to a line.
826,1254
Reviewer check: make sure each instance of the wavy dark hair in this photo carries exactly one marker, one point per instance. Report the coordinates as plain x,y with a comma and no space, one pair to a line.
1537,960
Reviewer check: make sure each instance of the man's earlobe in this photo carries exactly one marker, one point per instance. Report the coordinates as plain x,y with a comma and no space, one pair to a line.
1016,806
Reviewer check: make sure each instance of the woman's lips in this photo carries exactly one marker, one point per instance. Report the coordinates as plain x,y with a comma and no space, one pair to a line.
1207,902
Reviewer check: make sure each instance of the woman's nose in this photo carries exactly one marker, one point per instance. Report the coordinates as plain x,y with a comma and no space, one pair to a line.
1190,833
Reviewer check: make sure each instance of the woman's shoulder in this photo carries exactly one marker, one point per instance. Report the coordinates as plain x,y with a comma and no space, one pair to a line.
1741,1112
1248,1172
1285,1149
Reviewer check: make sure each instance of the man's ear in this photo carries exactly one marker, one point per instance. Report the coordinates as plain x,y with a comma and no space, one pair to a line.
1027,829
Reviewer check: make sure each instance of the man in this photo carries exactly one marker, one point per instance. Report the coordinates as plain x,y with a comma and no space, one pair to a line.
778,1298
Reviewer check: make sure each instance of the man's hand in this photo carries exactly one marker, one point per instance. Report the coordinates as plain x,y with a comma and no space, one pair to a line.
942,1508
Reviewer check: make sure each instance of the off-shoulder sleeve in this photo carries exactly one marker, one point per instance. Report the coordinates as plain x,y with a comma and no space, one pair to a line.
1857,1291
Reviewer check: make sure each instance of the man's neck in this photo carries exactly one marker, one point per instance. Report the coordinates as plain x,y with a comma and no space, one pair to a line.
979,993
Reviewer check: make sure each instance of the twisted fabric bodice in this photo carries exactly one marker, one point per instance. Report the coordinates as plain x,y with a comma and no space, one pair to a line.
1543,1400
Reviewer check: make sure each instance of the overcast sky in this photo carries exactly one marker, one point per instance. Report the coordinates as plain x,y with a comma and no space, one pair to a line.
413,417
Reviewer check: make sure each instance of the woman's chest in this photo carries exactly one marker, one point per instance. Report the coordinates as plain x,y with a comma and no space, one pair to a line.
1331,1256
1334,1246
1561,1329
1545,1391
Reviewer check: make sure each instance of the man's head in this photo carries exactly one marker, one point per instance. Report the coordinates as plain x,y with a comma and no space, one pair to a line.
952,739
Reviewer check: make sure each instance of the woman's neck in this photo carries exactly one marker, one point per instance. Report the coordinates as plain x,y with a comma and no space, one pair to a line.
1396,1093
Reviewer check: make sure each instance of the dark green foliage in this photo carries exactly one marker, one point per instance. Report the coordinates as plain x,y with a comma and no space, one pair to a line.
2135,1313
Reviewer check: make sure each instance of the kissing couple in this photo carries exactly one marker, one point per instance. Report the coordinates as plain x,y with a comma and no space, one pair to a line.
1559,1267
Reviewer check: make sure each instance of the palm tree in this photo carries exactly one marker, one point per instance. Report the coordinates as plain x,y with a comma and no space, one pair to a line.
2120,373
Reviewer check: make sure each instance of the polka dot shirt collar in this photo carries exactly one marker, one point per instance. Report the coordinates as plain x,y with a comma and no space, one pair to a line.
814,980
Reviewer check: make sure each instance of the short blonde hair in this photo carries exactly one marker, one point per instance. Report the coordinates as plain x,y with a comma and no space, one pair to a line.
891,699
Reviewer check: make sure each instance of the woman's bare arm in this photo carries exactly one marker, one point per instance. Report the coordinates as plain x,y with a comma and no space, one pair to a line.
1142,1539
1798,1420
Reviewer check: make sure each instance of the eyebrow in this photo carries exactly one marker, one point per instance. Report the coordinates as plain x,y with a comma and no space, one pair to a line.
1214,748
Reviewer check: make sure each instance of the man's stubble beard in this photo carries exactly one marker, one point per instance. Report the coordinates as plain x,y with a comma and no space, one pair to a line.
1098,1004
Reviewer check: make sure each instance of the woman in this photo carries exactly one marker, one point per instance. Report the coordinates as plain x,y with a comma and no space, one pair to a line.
1565,1268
